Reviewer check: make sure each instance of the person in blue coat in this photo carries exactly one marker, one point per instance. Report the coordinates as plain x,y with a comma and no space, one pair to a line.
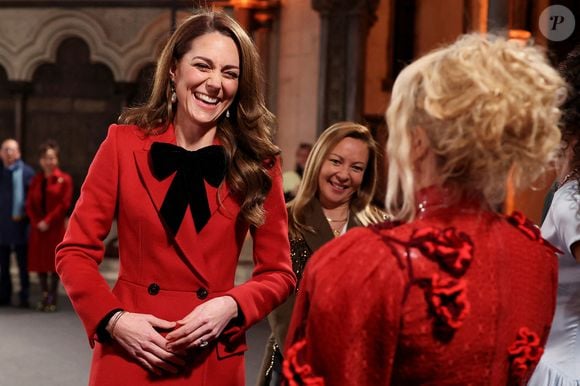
15,178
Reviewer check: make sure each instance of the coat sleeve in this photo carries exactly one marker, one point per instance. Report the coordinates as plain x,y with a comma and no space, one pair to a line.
82,249
58,212
272,279
348,313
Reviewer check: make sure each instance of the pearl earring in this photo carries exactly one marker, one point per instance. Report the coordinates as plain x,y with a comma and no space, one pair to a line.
228,114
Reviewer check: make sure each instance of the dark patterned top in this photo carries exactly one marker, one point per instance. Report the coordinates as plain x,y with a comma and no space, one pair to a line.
299,253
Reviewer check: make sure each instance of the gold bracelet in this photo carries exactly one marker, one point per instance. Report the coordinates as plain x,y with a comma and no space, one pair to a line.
116,317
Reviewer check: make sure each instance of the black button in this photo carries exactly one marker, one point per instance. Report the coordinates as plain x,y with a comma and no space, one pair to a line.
153,289
201,293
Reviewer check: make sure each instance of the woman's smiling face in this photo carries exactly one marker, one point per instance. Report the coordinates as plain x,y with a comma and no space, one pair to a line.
342,172
206,80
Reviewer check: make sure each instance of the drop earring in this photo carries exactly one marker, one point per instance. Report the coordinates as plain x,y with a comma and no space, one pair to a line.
228,114
173,94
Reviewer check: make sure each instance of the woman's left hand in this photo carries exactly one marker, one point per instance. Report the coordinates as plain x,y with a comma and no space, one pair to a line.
204,324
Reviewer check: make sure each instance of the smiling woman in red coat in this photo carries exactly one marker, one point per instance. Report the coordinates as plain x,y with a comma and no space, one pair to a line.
49,198
186,175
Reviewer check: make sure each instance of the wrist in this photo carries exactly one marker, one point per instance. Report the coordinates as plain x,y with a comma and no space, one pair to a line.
234,306
111,326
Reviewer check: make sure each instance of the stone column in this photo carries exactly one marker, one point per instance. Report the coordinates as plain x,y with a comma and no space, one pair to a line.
20,91
260,19
343,37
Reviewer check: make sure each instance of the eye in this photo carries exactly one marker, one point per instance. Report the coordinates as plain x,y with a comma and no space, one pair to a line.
231,75
201,66
358,169
334,161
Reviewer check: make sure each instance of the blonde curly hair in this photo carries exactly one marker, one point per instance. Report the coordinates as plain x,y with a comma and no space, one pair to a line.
488,106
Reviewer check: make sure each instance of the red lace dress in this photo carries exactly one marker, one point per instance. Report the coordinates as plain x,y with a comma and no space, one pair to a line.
460,296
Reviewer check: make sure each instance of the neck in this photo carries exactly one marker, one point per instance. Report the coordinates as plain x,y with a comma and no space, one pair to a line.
336,213
194,137
567,175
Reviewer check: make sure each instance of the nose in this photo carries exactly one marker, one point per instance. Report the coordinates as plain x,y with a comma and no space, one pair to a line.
214,81
342,174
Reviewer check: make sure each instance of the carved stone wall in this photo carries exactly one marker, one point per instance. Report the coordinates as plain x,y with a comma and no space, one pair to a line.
67,73
124,40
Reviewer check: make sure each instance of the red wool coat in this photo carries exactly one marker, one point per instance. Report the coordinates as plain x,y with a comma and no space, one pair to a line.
164,275
460,296
41,245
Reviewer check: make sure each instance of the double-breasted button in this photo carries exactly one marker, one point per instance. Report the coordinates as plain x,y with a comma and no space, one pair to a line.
201,293
153,289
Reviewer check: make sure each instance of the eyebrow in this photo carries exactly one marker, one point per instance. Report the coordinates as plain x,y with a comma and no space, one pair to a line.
341,157
226,67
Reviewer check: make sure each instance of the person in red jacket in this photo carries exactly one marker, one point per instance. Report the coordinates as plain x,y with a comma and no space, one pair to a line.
457,293
49,198
187,175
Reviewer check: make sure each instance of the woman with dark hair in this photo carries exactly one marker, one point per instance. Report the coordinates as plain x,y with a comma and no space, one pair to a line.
457,294
187,175
334,196
559,365
48,201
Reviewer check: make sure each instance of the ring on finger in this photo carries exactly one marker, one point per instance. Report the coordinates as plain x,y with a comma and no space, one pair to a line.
203,343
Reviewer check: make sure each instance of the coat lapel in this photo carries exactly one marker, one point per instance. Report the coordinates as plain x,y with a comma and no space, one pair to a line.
314,217
186,237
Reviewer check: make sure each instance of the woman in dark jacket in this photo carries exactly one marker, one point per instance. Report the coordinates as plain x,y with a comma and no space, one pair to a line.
334,196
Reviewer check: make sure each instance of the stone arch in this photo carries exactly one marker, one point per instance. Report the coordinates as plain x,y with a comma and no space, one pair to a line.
125,61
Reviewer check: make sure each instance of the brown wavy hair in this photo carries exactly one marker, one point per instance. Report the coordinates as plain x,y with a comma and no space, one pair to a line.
246,135
570,70
488,106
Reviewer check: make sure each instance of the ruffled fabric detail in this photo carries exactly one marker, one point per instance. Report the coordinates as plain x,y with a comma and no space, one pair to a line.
447,298
295,373
525,353
530,229
453,250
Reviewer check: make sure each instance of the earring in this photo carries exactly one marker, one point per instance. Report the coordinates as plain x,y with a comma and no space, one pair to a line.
228,114
173,94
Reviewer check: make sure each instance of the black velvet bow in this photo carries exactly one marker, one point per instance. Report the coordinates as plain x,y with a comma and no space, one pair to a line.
187,187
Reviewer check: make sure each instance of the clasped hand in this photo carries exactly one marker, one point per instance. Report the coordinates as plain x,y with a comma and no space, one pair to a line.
138,334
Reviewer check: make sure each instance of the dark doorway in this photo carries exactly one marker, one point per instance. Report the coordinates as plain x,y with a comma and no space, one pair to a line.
73,101
6,107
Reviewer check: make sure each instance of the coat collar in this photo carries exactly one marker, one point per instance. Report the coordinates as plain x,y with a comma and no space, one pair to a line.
186,236
57,175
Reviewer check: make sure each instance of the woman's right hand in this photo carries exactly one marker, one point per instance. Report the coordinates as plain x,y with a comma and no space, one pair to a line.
137,334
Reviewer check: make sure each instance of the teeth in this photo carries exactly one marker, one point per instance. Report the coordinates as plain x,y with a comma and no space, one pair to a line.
337,186
206,98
